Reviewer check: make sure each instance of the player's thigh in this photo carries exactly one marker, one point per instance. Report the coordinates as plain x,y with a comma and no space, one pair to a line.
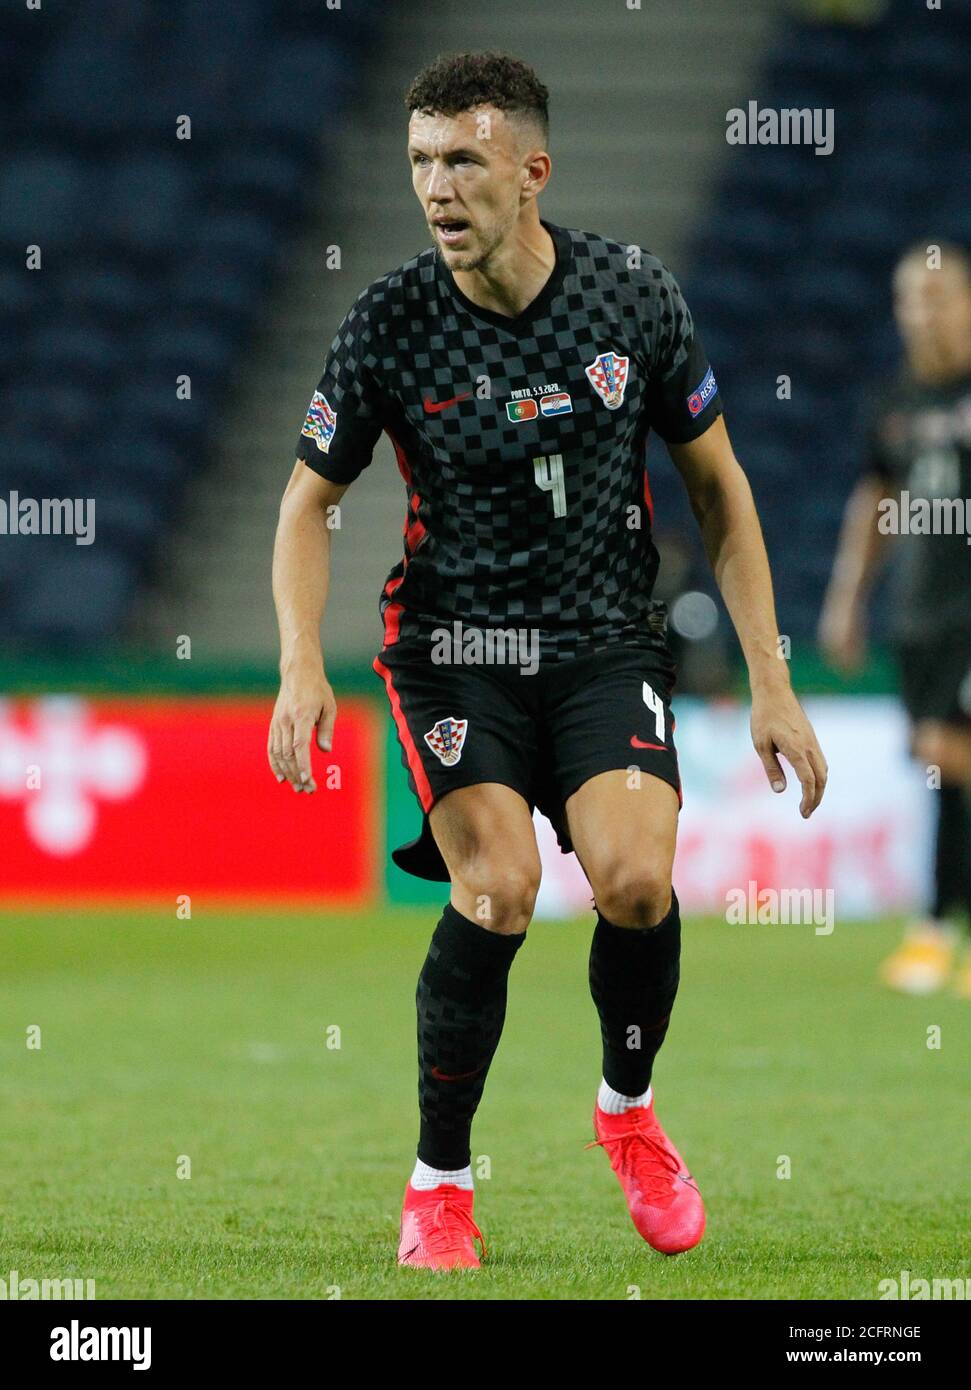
616,773
624,827
486,837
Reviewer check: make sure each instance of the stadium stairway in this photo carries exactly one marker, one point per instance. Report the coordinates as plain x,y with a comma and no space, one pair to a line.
638,120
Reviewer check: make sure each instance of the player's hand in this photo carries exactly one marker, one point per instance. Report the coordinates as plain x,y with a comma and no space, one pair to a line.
304,706
841,636
779,725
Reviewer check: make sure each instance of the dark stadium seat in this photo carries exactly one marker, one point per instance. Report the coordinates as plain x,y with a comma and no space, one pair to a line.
258,175
151,464
78,351
157,254
150,402
49,409
298,72
145,197
237,237
177,347
111,291
39,197
64,98
206,285
97,582
127,521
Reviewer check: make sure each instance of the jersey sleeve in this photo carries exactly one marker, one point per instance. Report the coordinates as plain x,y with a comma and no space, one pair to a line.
347,412
877,455
682,396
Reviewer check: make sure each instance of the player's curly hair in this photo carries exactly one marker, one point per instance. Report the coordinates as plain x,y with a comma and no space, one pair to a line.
456,82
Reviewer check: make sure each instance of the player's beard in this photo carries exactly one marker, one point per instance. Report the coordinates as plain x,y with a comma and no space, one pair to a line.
475,259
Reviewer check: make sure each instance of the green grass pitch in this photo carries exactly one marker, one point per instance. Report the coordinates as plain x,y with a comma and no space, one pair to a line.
209,1039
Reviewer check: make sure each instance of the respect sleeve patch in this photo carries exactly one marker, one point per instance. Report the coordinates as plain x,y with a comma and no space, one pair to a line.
703,393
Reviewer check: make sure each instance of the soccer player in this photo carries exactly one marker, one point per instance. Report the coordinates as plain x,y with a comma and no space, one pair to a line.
918,457
517,367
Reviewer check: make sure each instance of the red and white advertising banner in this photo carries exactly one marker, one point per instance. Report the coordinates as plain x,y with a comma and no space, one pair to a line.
868,842
151,800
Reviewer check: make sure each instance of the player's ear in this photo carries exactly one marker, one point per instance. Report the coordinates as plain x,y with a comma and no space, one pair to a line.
536,173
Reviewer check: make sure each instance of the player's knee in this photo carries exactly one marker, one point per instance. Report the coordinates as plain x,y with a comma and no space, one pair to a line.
502,893
945,747
634,895
926,742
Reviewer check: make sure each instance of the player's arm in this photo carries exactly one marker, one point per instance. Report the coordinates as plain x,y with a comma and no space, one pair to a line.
301,575
725,509
860,554
336,442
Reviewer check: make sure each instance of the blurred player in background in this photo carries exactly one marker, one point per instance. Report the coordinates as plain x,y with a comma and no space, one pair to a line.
517,367
919,452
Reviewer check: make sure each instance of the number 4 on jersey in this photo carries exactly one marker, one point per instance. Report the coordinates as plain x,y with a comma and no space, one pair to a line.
549,478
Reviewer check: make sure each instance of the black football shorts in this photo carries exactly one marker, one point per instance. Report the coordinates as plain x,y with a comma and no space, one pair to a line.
543,734
935,678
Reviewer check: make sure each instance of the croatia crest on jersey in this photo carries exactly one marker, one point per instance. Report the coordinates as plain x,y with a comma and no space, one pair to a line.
446,740
320,423
608,377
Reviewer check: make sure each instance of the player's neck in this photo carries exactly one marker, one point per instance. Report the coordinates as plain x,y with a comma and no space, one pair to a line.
937,365
515,273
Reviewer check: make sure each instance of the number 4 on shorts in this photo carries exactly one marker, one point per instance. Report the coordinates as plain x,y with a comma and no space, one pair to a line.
655,704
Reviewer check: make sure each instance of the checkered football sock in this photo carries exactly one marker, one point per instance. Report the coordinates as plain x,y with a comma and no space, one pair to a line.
461,1002
634,974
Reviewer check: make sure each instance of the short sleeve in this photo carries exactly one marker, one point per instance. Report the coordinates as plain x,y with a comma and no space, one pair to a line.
682,395
346,414
882,428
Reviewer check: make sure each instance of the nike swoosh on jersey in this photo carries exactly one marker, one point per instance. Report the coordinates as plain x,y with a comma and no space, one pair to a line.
635,742
433,407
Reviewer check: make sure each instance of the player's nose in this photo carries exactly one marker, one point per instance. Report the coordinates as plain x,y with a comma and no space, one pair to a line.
439,188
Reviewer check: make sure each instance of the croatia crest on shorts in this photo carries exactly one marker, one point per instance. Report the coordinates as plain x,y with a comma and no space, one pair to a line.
446,740
320,423
608,377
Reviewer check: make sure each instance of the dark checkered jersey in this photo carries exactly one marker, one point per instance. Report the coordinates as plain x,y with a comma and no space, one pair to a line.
520,440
